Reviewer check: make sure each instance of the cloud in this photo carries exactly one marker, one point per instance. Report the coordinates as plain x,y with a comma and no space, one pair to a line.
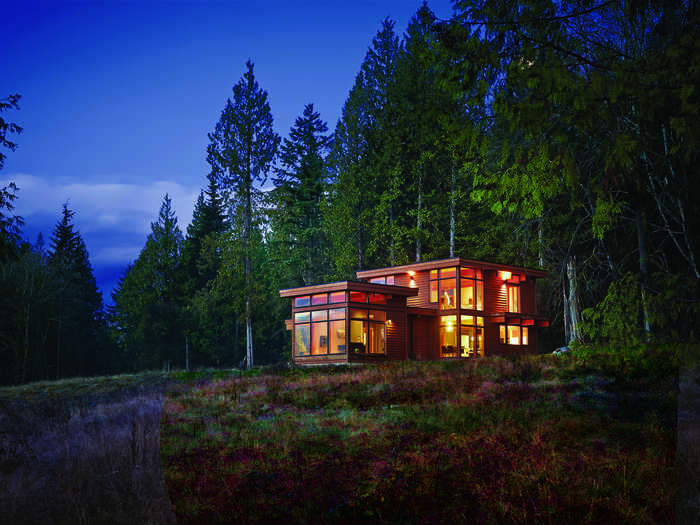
113,219
99,206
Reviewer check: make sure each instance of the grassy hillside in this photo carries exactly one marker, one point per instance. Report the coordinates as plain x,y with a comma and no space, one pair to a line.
586,438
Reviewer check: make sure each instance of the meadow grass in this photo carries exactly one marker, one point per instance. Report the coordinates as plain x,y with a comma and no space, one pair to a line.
580,438
83,451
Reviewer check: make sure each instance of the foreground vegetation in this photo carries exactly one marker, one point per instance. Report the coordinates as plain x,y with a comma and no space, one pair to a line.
582,438
83,451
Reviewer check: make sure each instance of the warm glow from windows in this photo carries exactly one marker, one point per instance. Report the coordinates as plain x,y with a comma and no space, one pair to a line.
505,275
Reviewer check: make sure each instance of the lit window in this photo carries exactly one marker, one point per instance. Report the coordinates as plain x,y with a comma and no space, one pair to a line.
302,339
510,335
377,298
358,297
302,301
336,297
471,289
378,280
390,280
443,288
513,293
448,336
319,299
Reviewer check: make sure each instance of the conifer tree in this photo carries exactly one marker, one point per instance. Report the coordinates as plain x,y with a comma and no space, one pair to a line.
301,189
241,151
77,314
147,300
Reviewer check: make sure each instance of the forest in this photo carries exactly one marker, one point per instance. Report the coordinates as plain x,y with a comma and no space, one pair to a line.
555,135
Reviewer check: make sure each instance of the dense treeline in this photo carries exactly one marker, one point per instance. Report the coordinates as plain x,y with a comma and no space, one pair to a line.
561,135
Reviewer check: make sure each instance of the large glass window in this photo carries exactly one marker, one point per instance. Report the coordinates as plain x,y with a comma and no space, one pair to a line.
448,336
471,289
443,288
367,331
471,340
320,332
302,335
319,338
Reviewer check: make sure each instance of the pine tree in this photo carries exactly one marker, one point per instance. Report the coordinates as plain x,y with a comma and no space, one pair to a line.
78,314
301,189
147,301
241,151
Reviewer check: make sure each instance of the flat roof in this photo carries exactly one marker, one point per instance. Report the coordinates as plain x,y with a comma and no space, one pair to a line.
446,263
357,286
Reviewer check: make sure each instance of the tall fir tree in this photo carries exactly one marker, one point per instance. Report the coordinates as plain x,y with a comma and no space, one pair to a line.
148,299
77,331
241,151
300,199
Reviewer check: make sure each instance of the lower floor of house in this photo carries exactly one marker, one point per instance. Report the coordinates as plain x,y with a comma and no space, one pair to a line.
351,334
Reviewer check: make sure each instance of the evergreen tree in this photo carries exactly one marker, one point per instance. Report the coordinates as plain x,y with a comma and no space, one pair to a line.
359,136
9,224
241,151
147,301
77,313
300,195
208,219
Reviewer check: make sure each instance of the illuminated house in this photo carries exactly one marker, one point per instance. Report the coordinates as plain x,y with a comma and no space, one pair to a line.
448,309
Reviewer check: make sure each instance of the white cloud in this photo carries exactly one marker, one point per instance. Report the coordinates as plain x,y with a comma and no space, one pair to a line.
114,219
128,208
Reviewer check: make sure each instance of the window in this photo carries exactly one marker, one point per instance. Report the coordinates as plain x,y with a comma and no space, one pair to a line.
367,331
443,288
302,301
377,298
513,294
302,336
382,280
471,289
336,297
513,335
448,336
471,340
320,332
358,297
321,298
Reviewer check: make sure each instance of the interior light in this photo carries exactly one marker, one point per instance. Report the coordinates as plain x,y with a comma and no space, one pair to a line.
505,275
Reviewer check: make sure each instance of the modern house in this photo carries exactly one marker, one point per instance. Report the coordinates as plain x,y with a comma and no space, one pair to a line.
448,309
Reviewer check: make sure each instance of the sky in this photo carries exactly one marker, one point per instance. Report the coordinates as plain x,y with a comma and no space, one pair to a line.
118,98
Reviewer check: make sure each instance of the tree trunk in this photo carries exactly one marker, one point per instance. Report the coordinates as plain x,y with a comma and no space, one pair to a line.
573,303
643,260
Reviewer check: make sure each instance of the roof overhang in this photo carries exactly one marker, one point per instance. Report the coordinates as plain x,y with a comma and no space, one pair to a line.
355,286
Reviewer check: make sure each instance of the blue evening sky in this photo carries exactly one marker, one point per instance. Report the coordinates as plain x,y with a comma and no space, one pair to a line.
118,98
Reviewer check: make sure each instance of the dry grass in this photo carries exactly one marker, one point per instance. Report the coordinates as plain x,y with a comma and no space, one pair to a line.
83,451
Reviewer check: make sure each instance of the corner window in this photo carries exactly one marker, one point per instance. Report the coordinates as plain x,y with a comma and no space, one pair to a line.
320,332
443,288
471,289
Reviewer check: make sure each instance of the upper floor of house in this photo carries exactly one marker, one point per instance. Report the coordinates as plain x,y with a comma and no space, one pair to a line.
464,286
